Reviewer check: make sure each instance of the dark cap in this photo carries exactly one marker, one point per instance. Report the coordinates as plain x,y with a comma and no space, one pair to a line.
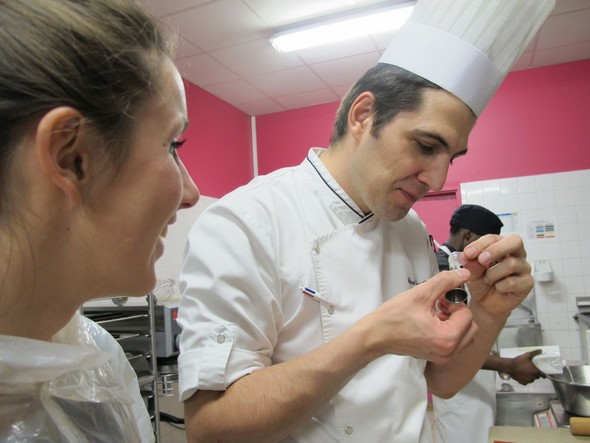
476,218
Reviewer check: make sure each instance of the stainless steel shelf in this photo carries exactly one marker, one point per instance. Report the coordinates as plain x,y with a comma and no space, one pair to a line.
134,328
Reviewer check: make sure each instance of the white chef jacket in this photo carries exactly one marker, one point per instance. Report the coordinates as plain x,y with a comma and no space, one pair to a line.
242,309
468,416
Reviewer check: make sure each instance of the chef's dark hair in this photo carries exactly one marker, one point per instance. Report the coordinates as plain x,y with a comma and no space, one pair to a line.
100,57
395,90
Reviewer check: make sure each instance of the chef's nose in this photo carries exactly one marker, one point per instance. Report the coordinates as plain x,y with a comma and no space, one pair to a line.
190,192
435,175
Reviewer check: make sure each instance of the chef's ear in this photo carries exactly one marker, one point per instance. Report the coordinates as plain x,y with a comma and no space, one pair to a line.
360,116
61,144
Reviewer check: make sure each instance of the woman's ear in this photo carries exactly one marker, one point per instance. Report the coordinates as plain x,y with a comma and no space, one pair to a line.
360,116
61,144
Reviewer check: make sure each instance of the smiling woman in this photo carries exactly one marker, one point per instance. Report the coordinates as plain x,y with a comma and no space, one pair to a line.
91,112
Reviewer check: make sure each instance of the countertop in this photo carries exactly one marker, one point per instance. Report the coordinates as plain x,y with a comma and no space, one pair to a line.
521,434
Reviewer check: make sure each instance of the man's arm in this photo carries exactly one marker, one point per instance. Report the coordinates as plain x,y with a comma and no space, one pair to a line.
520,368
271,403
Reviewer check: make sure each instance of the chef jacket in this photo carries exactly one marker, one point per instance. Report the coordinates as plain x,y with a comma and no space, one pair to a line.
468,416
243,309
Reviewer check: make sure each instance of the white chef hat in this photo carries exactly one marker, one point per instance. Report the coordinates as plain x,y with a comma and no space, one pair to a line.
466,46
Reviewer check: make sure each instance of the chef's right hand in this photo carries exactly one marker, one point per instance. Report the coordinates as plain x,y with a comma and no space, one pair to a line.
410,324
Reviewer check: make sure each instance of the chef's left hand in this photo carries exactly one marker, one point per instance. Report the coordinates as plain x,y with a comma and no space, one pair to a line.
500,275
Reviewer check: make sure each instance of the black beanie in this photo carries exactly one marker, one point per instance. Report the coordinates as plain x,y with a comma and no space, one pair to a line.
476,218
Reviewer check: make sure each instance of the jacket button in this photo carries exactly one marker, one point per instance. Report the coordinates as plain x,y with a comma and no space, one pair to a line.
348,430
330,309
220,338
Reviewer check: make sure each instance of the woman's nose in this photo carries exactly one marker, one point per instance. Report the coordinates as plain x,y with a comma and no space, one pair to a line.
190,192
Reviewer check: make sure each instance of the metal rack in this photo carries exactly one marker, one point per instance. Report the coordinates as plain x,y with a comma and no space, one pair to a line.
134,328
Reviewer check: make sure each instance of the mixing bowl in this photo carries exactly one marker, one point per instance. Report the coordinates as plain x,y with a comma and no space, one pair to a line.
573,389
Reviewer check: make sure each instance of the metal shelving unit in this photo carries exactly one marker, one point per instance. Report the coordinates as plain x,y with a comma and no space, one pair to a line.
134,328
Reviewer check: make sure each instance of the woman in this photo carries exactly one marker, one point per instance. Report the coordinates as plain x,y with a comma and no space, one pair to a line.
91,114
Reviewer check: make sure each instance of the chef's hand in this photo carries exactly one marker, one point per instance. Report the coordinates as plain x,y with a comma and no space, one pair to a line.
500,275
410,324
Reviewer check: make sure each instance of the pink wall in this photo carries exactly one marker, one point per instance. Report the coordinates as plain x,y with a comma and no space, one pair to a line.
536,124
283,138
218,151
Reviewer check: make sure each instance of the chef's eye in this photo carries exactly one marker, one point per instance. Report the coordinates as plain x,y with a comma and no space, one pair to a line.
175,146
425,149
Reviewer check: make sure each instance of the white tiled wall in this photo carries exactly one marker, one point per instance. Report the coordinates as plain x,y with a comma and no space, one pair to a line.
169,265
564,200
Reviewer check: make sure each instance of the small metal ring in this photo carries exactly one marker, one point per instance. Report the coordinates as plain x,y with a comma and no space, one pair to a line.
456,295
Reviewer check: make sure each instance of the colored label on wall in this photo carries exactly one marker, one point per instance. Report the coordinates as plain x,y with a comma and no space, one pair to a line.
541,230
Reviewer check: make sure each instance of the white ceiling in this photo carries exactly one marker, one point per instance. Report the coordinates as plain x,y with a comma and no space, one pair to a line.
224,48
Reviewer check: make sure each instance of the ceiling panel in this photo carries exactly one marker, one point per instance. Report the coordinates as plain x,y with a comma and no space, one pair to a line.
255,58
289,81
224,48
565,29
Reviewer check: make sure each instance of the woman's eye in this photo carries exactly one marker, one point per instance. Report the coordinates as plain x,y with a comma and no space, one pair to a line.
175,146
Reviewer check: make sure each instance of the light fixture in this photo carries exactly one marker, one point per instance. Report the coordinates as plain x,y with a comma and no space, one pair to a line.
343,27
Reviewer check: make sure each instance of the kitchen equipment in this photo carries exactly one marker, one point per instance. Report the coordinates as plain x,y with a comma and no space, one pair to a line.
583,304
542,271
132,324
130,320
516,404
456,295
583,319
545,419
518,334
580,425
573,389
145,328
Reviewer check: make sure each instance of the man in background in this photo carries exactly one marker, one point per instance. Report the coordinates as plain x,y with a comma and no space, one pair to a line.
468,415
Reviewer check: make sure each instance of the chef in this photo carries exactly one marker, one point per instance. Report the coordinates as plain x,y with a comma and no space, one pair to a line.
310,312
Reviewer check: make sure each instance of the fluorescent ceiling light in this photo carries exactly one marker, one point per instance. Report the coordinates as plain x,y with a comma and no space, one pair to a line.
344,28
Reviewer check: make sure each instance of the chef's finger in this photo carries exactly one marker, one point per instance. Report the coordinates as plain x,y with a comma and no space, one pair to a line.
519,285
441,283
509,267
459,330
491,248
